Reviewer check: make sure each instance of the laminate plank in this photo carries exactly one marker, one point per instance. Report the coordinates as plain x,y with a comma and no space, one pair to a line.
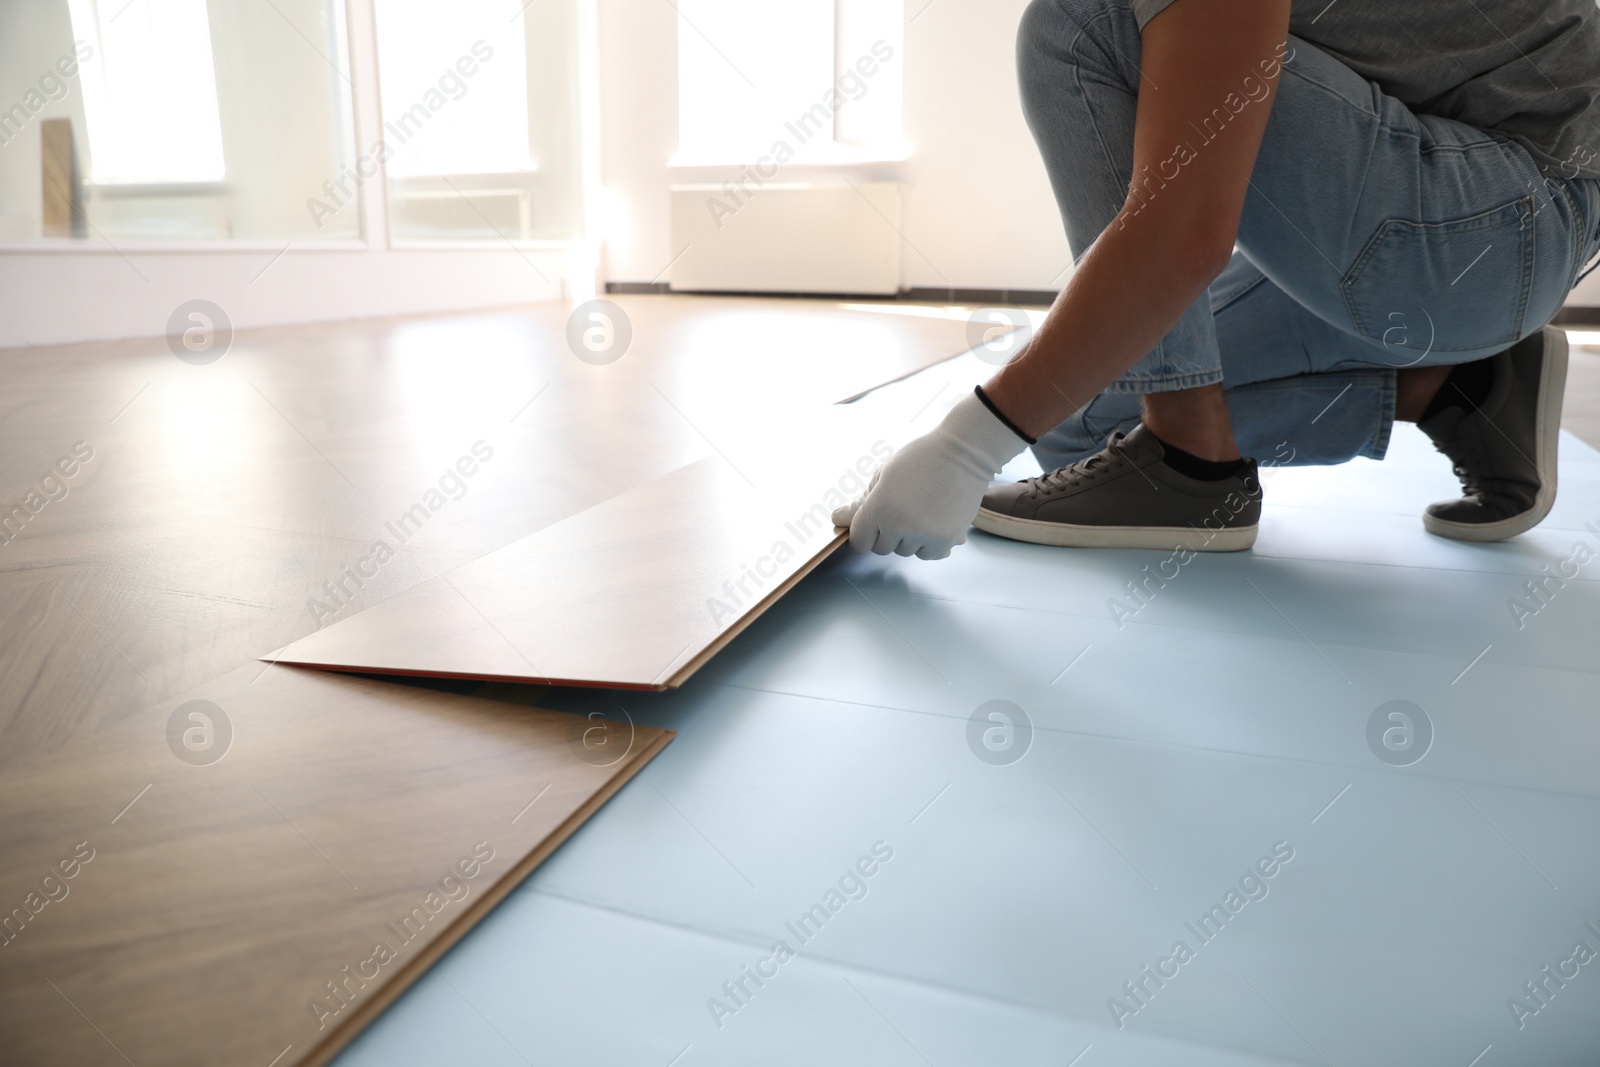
640,591
96,638
231,911
57,675
633,593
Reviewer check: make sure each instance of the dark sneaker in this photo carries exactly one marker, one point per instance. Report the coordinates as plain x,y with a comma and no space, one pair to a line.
1504,450
1126,497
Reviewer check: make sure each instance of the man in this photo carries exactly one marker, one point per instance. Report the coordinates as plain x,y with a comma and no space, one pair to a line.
1296,222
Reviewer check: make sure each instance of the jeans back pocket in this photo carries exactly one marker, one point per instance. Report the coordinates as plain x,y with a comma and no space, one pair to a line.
1453,286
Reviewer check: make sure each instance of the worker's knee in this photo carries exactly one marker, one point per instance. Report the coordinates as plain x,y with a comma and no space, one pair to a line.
1058,34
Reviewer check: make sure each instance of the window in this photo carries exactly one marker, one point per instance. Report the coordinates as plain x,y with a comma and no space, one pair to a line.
149,91
186,120
176,120
480,136
454,87
820,77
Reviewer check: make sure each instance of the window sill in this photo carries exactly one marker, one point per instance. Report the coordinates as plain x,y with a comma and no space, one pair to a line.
141,247
795,172
129,190
485,244
404,178
841,158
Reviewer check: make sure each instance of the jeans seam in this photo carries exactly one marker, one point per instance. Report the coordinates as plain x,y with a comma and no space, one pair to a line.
1161,383
1325,90
1530,263
1579,231
1078,67
1361,198
1574,236
1378,445
1354,271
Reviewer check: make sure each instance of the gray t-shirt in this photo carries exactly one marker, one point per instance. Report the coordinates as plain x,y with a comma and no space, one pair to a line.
1529,69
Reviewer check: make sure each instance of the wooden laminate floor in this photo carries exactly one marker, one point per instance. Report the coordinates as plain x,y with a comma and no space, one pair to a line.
640,591
249,875
225,510
211,859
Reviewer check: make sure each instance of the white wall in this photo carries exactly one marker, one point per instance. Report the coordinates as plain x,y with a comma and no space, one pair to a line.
58,298
638,42
1587,294
979,207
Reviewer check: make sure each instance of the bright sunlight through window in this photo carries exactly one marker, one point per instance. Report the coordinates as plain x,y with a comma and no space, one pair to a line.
820,77
475,123
149,91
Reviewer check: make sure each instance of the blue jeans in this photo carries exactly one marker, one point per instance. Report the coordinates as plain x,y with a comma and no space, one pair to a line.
1372,239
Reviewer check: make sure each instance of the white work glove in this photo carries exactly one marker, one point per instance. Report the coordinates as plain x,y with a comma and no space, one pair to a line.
922,501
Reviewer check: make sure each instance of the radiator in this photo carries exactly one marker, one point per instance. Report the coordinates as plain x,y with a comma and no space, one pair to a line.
787,238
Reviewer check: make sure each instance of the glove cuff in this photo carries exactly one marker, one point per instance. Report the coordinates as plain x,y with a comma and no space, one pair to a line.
994,409
975,423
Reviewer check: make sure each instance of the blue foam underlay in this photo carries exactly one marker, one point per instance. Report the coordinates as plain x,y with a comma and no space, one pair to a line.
1172,750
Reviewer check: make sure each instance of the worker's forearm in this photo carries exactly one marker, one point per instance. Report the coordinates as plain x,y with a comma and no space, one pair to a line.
1131,288
1157,257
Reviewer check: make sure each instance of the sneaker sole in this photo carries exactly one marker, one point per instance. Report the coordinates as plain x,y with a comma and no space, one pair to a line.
1552,389
1160,538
